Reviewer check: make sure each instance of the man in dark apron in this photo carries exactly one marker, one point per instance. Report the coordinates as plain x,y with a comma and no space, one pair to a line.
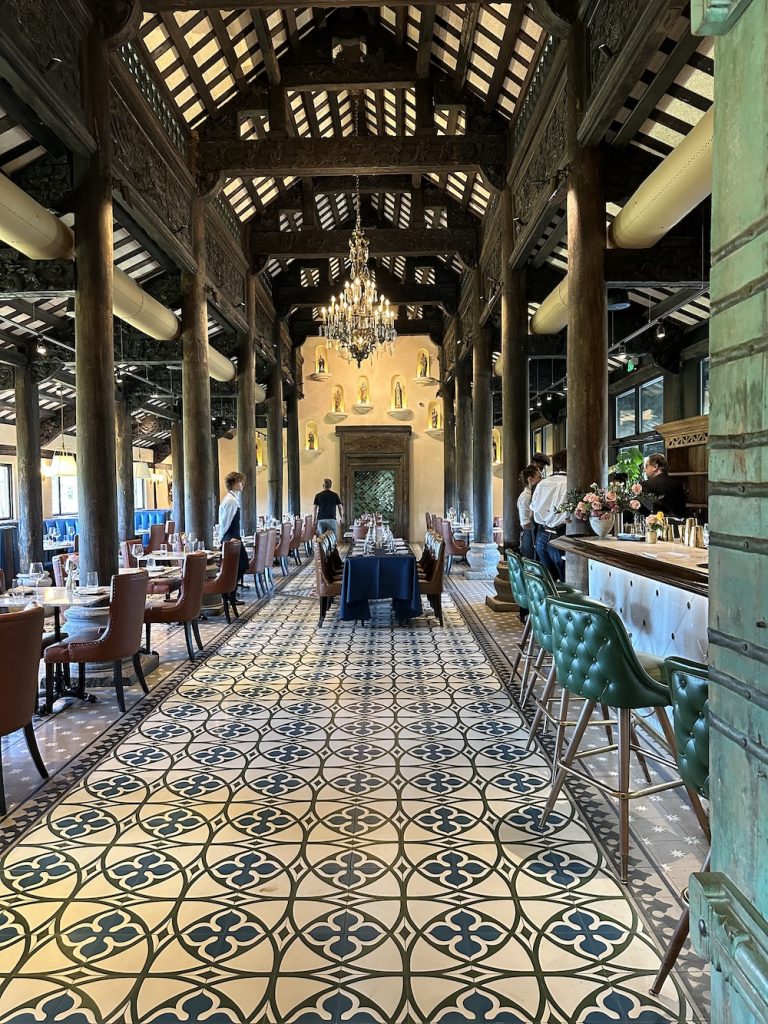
229,518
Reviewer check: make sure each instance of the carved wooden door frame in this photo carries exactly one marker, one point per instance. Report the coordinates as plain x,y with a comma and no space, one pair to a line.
372,448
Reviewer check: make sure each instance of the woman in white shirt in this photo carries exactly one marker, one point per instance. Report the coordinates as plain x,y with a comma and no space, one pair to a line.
528,478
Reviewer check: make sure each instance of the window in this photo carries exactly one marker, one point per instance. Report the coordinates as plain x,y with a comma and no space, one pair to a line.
625,414
6,492
651,405
704,387
139,500
64,495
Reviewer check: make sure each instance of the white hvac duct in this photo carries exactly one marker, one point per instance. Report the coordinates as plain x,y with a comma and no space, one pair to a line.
677,186
41,235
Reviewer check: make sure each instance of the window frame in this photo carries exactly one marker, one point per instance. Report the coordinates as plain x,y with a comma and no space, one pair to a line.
56,509
6,470
638,439
704,368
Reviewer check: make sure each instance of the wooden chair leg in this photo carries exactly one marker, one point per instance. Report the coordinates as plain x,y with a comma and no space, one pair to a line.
3,807
147,647
438,606
233,603
81,680
323,609
29,736
188,638
117,676
196,634
676,943
625,740
225,602
48,687
573,746
140,671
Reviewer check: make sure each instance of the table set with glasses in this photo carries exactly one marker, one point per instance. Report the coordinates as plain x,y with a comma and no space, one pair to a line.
377,568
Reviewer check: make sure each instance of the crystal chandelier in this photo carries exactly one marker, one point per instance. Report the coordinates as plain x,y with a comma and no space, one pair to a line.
360,321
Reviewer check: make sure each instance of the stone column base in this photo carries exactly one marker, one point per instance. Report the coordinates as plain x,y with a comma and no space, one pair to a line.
502,600
483,559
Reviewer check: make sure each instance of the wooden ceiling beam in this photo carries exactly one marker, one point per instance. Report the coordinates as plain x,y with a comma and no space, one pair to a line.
468,28
506,50
343,75
264,37
315,244
160,6
190,64
424,50
484,154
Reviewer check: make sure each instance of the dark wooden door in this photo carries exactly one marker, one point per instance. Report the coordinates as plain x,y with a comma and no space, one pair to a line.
373,451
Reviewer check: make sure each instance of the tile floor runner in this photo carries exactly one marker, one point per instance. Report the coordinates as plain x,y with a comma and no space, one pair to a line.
322,826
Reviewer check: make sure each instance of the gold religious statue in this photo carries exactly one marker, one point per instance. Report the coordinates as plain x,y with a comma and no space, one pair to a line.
423,365
398,395
310,442
434,419
321,363
495,451
337,401
363,392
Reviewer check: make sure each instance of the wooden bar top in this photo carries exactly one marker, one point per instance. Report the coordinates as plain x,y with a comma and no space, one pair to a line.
673,564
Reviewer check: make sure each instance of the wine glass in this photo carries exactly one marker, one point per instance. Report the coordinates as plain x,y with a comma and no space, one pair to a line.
137,551
36,572
71,532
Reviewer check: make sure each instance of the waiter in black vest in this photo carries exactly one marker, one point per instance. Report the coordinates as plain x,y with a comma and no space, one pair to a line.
229,518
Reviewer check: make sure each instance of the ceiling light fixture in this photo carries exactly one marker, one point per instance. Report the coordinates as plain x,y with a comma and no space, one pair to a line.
661,331
360,321
62,463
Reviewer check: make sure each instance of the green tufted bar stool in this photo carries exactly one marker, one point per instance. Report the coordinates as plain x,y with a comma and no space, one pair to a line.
689,688
595,661
520,594
539,572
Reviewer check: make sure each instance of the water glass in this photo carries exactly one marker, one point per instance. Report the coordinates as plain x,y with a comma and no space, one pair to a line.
91,579
163,549
36,572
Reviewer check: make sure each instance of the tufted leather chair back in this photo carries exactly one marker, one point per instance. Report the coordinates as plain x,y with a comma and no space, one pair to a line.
122,637
517,578
594,657
21,636
538,591
284,547
540,571
156,537
58,565
689,687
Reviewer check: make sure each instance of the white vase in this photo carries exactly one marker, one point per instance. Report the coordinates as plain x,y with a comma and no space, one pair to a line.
602,527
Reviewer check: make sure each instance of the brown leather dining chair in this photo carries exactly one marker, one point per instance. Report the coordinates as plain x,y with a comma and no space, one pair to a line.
121,639
295,545
272,543
360,532
21,634
284,546
164,586
264,543
224,583
170,527
186,608
307,535
156,537
2,582
453,548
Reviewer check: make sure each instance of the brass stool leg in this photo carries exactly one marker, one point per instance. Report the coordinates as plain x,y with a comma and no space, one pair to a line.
640,755
565,700
606,716
524,695
573,746
625,750
549,689
676,943
523,638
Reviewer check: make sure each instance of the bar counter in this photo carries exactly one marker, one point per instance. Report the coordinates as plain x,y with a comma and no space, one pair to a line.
660,590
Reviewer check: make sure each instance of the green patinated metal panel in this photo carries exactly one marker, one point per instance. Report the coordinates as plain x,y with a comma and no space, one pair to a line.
729,911
375,492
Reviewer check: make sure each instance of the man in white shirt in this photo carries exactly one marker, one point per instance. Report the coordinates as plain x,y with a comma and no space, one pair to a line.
549,493
229,517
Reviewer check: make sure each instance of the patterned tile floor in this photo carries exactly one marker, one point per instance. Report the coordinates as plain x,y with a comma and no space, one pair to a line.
319,826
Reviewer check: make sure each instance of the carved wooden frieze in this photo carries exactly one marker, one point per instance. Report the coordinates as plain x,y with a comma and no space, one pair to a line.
42,29
7,377
374,440
223,272
547,156
50,426
48,180
145,170
22,276
685,433
609,25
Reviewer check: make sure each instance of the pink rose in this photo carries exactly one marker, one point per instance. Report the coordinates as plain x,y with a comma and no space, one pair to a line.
634,504
581,507
610,496
637,488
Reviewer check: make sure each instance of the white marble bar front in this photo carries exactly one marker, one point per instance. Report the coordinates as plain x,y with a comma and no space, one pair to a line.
659,590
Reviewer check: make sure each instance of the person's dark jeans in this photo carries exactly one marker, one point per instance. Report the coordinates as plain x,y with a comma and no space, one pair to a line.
527,549
549,556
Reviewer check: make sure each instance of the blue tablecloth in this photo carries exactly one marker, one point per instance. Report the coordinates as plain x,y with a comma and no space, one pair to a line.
375,577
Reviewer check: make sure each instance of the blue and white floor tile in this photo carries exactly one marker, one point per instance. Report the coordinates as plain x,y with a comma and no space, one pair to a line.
316,827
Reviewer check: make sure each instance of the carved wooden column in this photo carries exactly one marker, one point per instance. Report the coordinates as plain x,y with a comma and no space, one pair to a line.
464,436
177,460
292,440
196,388
484,555
217,492
448,392
30,511
587,354
275,432
94,347
126,526
246,411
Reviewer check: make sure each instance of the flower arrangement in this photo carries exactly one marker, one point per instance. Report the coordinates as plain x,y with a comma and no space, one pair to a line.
654,523
598,502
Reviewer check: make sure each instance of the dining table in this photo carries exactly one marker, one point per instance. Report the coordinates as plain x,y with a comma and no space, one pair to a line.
55,598
377,576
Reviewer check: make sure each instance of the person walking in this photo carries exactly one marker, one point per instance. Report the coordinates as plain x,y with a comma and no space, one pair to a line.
327,503
529,478
229,518
550,493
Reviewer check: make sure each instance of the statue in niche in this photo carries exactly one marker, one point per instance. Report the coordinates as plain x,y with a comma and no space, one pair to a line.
321,363
398,395
363,392
337,400
434,419
310,441
495,450
258,454
423,365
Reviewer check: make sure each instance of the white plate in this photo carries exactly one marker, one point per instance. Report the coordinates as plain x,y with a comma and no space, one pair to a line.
93,590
